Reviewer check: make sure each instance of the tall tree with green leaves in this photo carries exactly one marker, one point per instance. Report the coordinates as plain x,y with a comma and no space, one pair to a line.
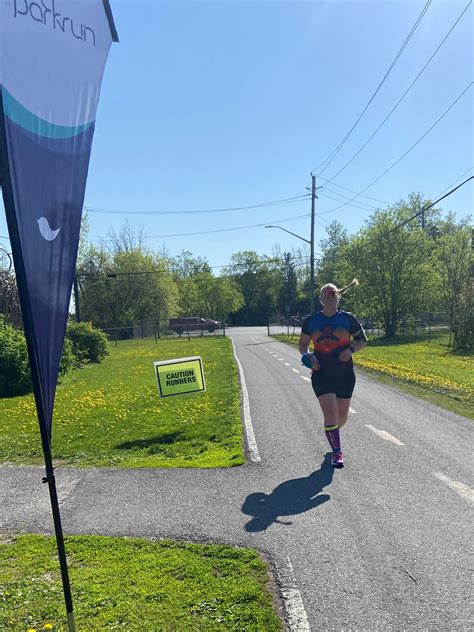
453,257
129,285
208,296
287,300
257,280
393,263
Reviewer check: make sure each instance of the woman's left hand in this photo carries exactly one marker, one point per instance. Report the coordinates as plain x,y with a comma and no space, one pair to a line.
345,355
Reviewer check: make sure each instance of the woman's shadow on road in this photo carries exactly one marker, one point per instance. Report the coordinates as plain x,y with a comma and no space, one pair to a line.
289,498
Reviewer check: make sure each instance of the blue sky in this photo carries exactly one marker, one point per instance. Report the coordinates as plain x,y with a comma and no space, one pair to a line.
209,105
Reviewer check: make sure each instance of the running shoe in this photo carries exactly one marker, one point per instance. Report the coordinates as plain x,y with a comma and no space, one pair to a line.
337,460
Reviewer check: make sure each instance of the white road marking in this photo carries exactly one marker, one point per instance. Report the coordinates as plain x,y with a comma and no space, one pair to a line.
280,359
384,434
351,410
303,377
295,610
463,490
295,370
287,364
251,442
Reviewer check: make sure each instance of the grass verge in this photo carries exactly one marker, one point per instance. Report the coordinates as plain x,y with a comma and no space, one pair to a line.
424,369
109,414
134,584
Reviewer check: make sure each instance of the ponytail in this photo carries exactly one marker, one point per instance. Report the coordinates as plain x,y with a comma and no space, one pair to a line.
353,283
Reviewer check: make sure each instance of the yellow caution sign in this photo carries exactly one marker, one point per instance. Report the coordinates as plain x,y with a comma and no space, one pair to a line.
180,376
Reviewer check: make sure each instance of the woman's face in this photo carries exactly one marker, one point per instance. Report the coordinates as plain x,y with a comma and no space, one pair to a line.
330,296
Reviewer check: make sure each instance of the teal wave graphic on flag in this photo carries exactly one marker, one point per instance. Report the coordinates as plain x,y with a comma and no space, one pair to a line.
25,119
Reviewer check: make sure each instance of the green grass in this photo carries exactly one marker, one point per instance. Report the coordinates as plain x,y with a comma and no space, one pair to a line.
134,584
109,414
425,369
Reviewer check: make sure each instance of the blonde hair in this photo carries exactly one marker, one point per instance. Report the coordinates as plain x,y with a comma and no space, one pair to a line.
340,291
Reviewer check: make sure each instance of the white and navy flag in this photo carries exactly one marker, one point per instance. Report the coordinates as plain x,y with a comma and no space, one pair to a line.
52,59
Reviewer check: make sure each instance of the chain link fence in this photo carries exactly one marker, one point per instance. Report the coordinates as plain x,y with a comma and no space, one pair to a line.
423,326
159,329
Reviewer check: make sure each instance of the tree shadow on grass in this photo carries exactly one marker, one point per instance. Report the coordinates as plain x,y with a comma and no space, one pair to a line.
164,439
289,498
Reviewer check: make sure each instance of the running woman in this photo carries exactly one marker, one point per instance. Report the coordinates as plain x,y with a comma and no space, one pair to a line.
333,378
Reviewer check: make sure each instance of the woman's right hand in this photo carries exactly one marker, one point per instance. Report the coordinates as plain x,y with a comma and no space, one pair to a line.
314,362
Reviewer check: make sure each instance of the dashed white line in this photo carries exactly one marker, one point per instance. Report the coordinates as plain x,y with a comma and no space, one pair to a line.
351,410
463,490
280,359
384,434
303,377
251,442
295,370
287,364
295,610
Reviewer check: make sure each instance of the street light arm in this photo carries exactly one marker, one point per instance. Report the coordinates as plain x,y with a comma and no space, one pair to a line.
289,231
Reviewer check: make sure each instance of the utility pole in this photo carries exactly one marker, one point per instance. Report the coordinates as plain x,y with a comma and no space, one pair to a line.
313,209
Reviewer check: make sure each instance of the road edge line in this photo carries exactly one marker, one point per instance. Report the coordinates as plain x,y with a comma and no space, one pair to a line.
297,619
249,433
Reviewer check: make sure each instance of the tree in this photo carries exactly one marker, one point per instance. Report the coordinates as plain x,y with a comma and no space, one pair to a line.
186,265
208,296
394,265
9,299
454,260
288,292
329,267
126,286
257,281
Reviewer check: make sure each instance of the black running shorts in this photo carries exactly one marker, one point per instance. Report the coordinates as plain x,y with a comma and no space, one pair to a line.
341,385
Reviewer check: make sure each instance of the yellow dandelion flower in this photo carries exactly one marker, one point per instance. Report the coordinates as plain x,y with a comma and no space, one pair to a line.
48,626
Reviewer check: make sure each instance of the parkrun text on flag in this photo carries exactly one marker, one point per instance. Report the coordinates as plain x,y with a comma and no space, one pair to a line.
52,58
180,376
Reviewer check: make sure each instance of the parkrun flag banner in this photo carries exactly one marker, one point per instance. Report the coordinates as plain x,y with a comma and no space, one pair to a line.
52,59
180,376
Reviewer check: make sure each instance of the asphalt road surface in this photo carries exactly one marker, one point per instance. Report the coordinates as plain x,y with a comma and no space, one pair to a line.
383,544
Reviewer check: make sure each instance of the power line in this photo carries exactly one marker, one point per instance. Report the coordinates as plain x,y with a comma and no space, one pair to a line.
364,208
457,180
303,261
334,153
406,153
339,186
223,230
417,214
216,210
402,97
359,204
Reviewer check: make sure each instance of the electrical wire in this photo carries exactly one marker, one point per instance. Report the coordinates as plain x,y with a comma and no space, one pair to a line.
335,151
339,186
402,97
361,205
457,180
223,230
406,153
217,210
417,214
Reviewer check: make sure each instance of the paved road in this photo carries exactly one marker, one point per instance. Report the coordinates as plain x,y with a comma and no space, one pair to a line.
381,544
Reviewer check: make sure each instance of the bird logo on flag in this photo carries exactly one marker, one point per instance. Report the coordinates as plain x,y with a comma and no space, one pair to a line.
46,231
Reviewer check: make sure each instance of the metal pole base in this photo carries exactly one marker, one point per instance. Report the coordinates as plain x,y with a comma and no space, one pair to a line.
71,624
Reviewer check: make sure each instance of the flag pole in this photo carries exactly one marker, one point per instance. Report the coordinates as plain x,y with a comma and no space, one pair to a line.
34,367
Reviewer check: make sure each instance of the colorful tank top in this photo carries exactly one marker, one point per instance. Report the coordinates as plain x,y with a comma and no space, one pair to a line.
330,335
